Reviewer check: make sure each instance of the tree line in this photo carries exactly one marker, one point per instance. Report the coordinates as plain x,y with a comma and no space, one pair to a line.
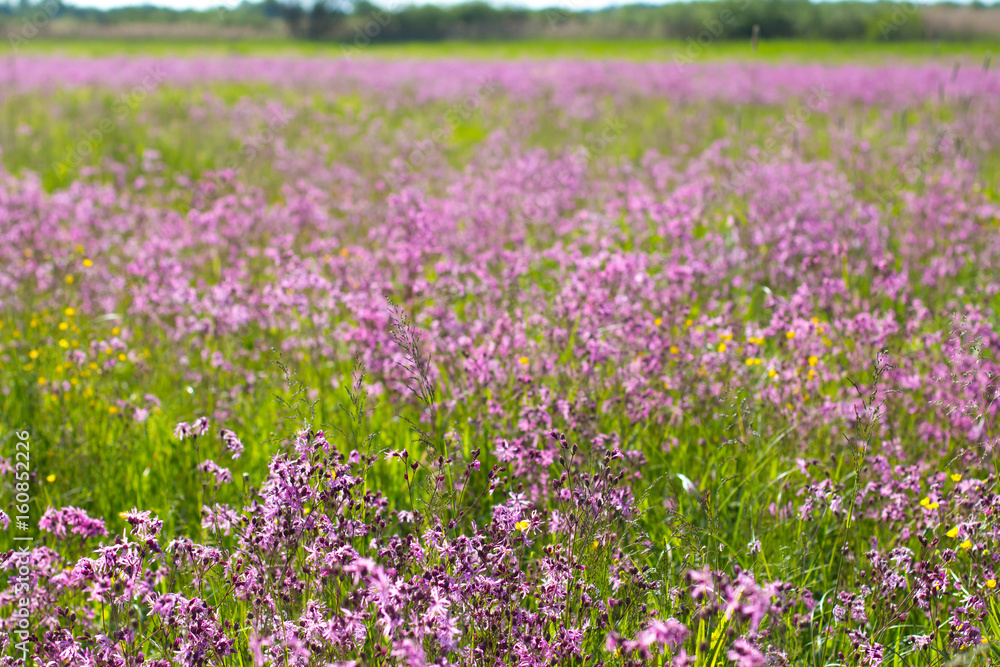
346,20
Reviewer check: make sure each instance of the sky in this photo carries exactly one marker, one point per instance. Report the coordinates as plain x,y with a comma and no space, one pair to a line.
209,4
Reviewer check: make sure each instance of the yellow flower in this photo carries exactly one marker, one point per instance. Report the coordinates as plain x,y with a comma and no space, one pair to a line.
750,361
42,381
92,366
953,532
813,360
596,544
815,320
991,583
122,514
811,375
726,337
344,252
63,326
522,525
956,477
79,249
789,335
50,479
966,545
87,263
722,347
524,361
64,343
113,410
756,340
657,322
122,357
674,350
69,280
771,373
70,312
33,354
28,252
115,331
307,510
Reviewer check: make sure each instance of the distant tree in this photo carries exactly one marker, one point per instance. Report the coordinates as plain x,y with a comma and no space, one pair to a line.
294,17
271,9
363,8
318,22
324,18
700,20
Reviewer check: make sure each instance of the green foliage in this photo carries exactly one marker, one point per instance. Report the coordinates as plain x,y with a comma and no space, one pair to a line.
705,20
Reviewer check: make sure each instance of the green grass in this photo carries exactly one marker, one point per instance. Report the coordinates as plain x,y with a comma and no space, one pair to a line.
108,464
641,50
115,465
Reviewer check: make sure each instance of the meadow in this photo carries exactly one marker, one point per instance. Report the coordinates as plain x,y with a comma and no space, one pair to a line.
367,361
665,50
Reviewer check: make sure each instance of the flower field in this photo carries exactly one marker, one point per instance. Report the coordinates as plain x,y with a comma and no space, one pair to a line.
374,362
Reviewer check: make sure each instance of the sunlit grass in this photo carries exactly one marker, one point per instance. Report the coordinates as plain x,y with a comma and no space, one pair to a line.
869,52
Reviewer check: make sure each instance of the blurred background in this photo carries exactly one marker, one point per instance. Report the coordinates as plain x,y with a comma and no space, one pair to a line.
778,27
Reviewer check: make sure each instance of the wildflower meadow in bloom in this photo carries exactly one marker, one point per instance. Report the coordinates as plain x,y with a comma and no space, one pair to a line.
369,362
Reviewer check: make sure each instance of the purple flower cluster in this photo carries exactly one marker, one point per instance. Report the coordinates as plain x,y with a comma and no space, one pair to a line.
627,407
69,521
318,572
